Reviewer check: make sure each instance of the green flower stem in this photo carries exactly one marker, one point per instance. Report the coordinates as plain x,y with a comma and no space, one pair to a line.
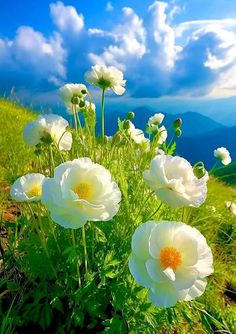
41,234
153,214
103,115
52,164
85,251
213,168
77,264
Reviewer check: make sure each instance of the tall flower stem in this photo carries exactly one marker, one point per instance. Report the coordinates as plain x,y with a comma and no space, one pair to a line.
77,263
103,114
52,164
153,214
85,251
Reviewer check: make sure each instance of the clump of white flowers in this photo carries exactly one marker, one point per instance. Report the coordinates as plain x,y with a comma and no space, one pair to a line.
171,259
174,182
223,155
106,78
28,188
80,191
48,129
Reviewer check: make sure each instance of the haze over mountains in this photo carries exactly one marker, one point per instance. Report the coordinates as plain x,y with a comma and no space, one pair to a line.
201,134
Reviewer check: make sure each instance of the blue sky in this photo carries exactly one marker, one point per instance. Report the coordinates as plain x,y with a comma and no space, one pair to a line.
181,51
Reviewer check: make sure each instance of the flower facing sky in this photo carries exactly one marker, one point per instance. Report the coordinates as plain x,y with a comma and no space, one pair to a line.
174,182
80,191
223,155
28,188
48,128
106,78
171,259
156,119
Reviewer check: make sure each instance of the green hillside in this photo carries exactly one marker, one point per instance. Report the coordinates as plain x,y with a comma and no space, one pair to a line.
30,299
15,157
227,174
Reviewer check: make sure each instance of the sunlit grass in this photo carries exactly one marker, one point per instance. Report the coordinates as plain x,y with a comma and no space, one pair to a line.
109,300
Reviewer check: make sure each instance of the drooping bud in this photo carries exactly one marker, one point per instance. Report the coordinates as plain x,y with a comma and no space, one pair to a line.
81,104
199,170
130,115
75,100
126,124
178,132
117,138
177,123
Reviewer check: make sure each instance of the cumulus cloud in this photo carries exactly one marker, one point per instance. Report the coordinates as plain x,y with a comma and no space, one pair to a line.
128,42
66,18
159,58
30,57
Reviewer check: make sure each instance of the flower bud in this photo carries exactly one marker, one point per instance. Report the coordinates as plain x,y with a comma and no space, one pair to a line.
117,138
178,132
130,115
199,170
177,123
81,104
75,100
126,124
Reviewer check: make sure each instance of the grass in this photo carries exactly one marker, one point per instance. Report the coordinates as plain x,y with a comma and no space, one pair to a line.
109,301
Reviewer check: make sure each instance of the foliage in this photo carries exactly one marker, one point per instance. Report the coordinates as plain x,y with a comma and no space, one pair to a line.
44,285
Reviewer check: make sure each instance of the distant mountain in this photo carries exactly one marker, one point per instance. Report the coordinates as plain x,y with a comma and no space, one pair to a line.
202,146
194,124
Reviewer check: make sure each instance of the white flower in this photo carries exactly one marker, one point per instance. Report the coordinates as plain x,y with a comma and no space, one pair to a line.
27,188
80,191
231,206
137,135
48,128
161,135
156,119
174,182
171,259
223,155
87,107
72,93
106,78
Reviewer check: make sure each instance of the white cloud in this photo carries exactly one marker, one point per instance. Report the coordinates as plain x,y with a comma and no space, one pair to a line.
109,7
31,54
197,24
129,38
163,35
66,18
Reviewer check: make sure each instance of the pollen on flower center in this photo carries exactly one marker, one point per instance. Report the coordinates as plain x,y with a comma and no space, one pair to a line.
83,190
170,257
34,191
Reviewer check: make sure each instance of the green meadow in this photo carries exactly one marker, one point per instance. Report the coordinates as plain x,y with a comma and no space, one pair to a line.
40,264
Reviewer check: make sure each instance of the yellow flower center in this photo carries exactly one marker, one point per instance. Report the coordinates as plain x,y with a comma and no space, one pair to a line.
83,190
170,257
34,191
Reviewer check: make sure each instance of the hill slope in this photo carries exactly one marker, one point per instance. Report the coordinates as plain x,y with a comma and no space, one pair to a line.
15,156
